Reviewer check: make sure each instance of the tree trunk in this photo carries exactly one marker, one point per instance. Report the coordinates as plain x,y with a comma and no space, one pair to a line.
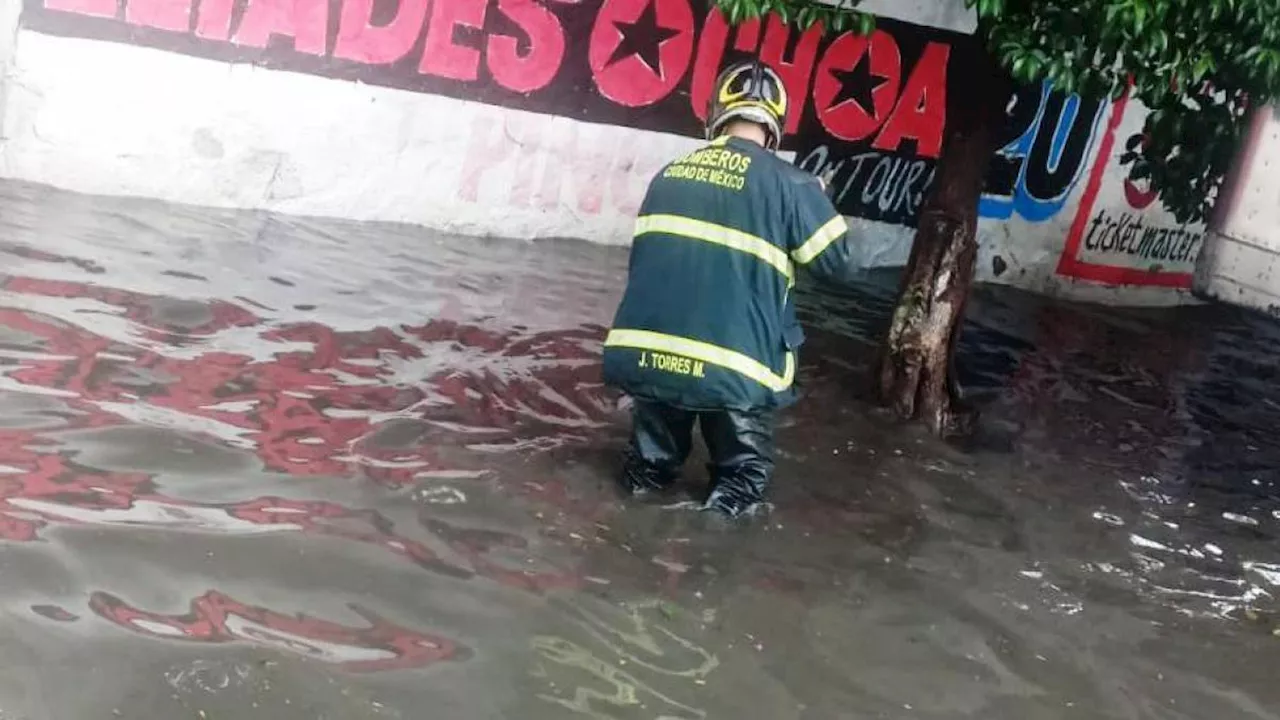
916,375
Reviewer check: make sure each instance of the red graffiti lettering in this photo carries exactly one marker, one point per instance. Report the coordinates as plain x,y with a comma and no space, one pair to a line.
488,148
748,36
582,165
715,33
847,118
443,56
711,46
631,174
536,68
360,40
921,113
528,136
163,14
536,160
96,8
640,49
306,21
795,74
214,19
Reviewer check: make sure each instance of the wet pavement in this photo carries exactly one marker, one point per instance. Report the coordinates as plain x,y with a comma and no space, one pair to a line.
266,467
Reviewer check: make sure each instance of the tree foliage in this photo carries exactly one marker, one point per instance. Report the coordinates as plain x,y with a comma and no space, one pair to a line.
1197,65
837,15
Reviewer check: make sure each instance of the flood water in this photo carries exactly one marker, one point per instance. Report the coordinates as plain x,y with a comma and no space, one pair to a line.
266,467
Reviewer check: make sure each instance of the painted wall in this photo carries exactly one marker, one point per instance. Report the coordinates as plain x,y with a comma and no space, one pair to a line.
531,118
1241,261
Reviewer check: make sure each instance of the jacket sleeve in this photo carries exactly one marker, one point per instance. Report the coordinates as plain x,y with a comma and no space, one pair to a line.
820,235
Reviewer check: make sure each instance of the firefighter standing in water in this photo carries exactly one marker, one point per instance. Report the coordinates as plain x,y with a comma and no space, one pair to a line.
706,331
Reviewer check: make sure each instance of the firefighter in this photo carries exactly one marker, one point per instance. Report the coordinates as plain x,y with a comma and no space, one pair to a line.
706,331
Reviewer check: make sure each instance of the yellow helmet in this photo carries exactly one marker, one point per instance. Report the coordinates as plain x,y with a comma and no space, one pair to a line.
752,91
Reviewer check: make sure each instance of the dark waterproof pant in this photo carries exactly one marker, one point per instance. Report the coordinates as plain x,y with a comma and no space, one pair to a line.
740,445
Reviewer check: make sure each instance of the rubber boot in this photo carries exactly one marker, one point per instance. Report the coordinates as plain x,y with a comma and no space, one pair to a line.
661,437
741,446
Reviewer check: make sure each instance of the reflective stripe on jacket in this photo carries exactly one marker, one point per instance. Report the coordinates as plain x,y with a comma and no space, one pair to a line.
707,320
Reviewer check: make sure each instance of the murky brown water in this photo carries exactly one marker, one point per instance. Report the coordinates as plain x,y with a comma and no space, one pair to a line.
260,467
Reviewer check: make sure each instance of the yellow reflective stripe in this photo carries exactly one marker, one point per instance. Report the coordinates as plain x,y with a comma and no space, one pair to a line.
835,228
718,235
707,353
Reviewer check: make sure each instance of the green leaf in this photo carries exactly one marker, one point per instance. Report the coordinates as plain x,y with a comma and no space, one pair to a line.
1160,41
866,23
1019,68
1204,64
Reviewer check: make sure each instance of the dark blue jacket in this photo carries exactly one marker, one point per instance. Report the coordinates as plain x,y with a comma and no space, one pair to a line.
708,320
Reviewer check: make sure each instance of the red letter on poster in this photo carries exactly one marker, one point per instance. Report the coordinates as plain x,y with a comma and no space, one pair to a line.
624,75
214,22
360,40
921,112
706,65
162,14
442,56
795,75
536,68
306,21
845,117
489,147
96,8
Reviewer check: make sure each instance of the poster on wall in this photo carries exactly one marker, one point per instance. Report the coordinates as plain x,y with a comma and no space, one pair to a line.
1121,234
876,106
870,109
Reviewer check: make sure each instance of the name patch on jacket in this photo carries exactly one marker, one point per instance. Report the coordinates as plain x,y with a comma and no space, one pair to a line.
673,364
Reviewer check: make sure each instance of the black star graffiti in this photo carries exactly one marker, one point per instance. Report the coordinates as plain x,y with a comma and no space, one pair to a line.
858,84
643,38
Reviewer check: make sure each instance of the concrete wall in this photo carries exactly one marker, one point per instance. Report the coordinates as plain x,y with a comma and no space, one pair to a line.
943,14
529,118
9,14
1241,261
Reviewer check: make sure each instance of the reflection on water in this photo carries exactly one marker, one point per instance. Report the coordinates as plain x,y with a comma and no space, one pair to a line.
1157,405
217,618
637,643
389,450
